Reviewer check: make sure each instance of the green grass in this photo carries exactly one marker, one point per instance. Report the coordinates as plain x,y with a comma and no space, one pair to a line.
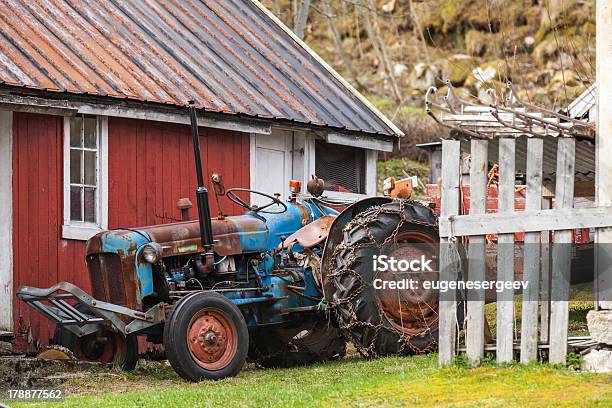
581,301
402,168
392,381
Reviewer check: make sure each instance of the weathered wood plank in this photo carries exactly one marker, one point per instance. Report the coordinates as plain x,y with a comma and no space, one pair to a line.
449,206
474,339
545,280
561,259
528,221
531,268
582,188
505,253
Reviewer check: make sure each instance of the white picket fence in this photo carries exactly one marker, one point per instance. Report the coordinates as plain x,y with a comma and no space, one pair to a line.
505,223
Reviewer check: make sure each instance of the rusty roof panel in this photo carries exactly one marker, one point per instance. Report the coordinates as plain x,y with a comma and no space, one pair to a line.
231,56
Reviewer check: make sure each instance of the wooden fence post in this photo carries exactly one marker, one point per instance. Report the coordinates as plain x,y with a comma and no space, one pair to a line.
505,252
531,264
449,206
603,146
545,280
475,320
562,256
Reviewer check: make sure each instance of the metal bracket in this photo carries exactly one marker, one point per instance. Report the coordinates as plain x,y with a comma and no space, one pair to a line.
53,303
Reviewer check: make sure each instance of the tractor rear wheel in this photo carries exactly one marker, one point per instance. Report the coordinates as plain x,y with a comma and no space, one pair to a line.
319,343
104,346
206,337
383,321
109,347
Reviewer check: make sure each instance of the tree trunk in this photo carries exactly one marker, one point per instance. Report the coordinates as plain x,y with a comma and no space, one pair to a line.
301,18
373,30
333,28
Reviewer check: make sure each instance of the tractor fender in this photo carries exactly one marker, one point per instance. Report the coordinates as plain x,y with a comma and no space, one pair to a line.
335,236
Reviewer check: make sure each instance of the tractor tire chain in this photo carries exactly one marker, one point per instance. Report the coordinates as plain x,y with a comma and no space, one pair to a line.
357,236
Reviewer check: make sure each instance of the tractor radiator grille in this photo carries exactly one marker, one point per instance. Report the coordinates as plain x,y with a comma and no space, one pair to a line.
107,278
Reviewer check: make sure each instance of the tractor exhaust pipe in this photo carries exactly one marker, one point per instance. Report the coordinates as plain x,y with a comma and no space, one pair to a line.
201,193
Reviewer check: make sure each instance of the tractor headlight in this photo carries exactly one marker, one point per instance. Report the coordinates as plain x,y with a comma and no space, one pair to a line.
151,253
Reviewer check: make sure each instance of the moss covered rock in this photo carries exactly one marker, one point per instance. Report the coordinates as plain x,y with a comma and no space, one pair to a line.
457,68
424,76
561,94
488,73
565,14
565,77
479,43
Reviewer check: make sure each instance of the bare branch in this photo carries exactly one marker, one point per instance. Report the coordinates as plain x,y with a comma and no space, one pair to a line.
346,60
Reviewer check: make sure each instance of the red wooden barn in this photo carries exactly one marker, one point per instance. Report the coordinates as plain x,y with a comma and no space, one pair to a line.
94,134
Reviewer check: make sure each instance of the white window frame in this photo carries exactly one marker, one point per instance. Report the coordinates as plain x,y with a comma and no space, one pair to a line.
78,230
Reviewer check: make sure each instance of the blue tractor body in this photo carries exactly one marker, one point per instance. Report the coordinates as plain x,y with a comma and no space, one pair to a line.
249,235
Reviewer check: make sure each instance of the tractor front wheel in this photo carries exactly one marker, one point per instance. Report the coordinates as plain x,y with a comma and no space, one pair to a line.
206,337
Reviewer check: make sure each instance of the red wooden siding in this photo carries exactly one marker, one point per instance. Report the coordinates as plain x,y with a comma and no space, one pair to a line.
150,168
40,257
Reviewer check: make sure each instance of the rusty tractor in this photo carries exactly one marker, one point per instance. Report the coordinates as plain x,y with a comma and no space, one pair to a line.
285,283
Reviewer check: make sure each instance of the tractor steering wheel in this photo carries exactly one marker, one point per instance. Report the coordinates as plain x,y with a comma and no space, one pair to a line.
231,194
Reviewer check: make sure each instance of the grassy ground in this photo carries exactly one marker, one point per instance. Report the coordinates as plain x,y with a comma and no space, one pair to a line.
581,301
393,381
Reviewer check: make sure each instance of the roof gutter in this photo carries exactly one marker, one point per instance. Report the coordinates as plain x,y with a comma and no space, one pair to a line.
66,104
158,114
333,72
380,144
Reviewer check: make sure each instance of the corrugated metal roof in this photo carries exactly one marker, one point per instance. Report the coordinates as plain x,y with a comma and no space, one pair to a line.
231,56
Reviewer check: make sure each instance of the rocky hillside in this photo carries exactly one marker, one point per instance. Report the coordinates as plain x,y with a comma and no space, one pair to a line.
393,50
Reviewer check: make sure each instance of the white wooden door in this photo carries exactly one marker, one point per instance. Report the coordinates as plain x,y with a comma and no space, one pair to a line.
271,164
6,222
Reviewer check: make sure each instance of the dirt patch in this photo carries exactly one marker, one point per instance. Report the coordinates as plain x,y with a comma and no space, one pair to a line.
6,348
32,372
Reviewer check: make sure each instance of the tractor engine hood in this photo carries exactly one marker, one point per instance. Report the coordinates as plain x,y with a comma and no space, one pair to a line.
233,235
120,275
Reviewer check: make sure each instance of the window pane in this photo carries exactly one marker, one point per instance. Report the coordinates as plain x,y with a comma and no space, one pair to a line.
89,129
90,168
75,204
90,204
75,166
75,132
